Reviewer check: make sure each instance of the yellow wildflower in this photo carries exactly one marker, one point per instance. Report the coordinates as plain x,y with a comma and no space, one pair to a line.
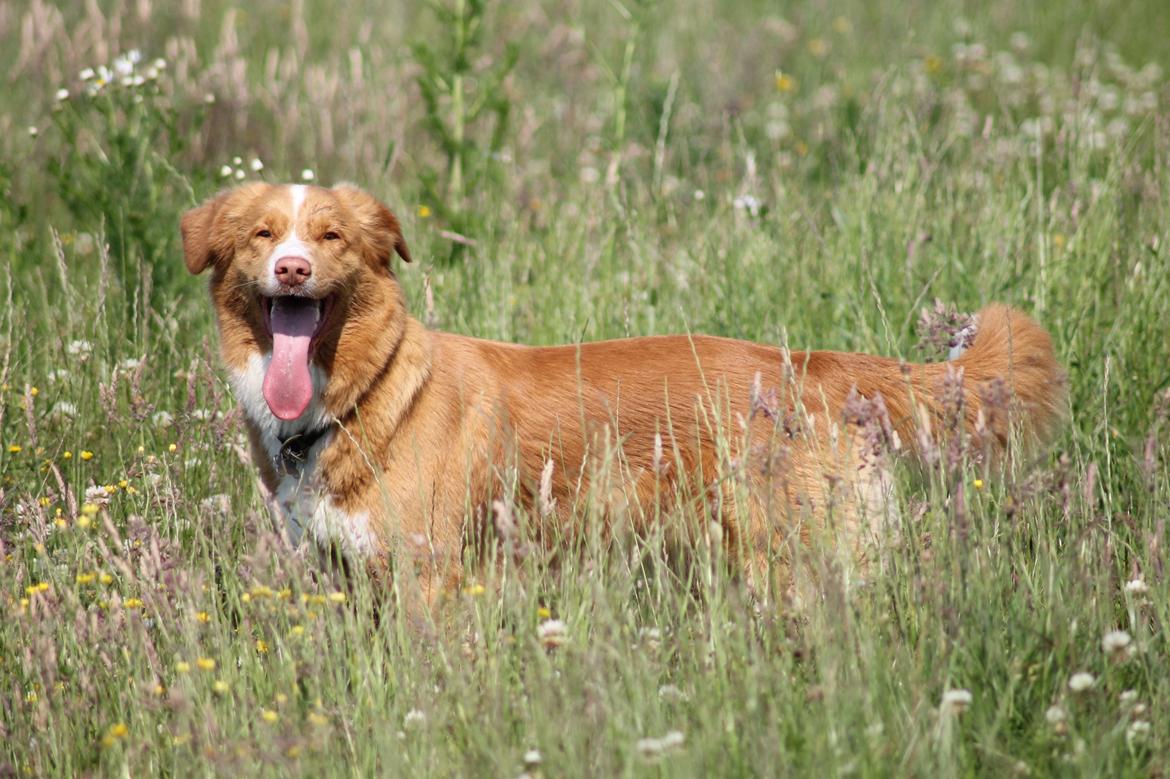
269,715
33,391
115,733
14,448
544,613
86,454
978,484
133,603
318,719
220,687
105,578
474,590
297,630
337,597
123,484
183,667
785,82
424,212
67,455
173,448
86,578
203,617
261,646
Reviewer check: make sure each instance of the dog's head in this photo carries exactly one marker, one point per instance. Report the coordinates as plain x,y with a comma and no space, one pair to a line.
300,274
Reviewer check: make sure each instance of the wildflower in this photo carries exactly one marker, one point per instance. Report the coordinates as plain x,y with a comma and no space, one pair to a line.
652,748
424,212
978,483
784,82
203,617
256,165
220,687
225,171
183,667
474,590
818,47
268,715
87,74
14,448
552,633
544,612
1137,729
133,603
1081,681
748,203
532,760
297,630
115,733
205,663
413,717
33,132
1056,717
79,348
240,174
159,690
67,455
318,719
337,597
86,578
86,455
308,175
261,646
173,448
105,578
1136,587
1116,643
699,195
62,95
956,701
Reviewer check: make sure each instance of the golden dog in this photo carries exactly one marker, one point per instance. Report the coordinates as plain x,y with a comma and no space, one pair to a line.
389,442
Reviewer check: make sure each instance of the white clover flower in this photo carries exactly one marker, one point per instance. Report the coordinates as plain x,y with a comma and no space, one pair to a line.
1116,642
79,347
956,701
532,759
225,171
699,195
1136,587
1079,682
552,633
63,409
162,419
308,175
87,74
1055,715
652,748
748,203
209,98
159,64
256,165
1137,729
240,174
237,160
413,718
62,95
33,132
1128,697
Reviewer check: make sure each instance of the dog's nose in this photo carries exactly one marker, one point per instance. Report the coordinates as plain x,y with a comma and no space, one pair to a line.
293,271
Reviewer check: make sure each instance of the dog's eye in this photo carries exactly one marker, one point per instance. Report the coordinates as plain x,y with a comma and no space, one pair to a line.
263,233
331,236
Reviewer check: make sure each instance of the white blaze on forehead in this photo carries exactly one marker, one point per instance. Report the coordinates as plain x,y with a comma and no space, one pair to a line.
291,244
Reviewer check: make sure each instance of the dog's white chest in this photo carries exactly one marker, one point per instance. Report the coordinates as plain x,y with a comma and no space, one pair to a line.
309,513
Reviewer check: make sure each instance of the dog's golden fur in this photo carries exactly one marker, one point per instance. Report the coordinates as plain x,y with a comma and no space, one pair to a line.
428,427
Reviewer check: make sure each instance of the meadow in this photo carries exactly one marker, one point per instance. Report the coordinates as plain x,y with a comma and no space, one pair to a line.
825,175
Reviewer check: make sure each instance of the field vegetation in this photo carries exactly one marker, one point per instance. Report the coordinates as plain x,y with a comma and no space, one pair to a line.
805,173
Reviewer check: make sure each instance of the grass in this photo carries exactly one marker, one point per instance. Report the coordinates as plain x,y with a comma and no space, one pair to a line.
805,176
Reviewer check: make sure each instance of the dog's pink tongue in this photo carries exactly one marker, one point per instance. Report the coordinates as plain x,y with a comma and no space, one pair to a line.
288,387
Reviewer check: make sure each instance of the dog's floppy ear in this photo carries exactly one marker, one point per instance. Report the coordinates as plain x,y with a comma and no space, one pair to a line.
208,235
380,227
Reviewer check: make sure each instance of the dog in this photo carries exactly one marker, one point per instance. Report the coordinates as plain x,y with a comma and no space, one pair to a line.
394,444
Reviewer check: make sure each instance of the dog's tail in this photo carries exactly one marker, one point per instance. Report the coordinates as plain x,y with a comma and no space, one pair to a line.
1008,378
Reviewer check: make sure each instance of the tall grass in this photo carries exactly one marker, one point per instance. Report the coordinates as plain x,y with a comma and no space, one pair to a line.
799,177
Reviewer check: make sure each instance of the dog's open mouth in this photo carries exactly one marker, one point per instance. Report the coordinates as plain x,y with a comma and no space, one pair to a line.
294,323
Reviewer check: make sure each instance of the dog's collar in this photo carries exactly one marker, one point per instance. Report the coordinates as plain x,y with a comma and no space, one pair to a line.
294,450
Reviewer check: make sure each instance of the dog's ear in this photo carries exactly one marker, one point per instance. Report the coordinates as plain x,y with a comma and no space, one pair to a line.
208,232
379,226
